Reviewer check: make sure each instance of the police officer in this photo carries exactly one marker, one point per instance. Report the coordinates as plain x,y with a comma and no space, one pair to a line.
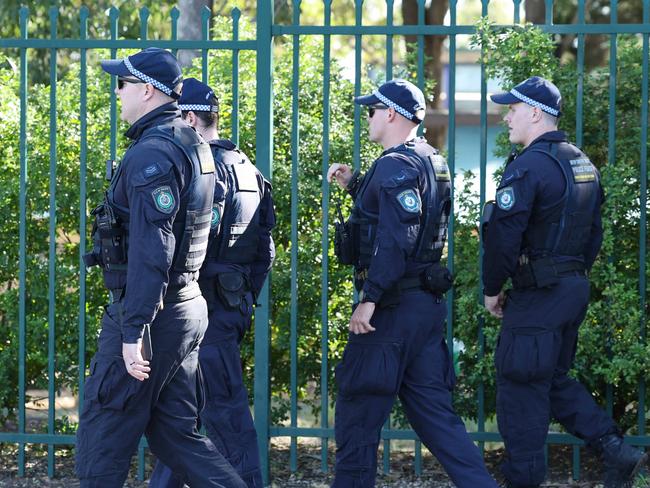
240,254
545,232
150,238
396,347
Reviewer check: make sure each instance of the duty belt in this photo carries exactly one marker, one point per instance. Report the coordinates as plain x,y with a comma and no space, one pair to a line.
175,294
544,272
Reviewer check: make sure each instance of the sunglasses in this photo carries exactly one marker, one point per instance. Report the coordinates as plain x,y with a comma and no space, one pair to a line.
121,80
372,108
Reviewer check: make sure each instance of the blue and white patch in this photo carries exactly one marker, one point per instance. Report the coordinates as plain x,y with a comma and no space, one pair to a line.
506,198
151,170
164,199
409,201
216,217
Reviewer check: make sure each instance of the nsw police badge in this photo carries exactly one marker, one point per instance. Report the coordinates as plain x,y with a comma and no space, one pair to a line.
506,198
164,199
409,201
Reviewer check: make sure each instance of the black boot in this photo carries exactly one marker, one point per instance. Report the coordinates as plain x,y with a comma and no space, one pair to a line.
621,461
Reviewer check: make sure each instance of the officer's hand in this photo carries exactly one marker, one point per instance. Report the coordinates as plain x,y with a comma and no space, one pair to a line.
360,320
341,172
135,365
494,304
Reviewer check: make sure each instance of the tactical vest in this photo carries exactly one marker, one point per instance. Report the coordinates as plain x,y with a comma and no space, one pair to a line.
435,210
563,229
191,226
235,224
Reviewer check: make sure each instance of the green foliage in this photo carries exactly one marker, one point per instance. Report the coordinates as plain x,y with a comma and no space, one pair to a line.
66,183
610,349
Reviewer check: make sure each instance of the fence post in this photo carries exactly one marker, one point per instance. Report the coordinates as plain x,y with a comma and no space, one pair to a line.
263,155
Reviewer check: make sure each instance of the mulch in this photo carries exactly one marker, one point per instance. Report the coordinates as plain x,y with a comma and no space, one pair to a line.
308,474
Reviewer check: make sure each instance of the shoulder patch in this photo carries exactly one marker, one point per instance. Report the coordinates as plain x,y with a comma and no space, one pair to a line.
152,170
583,170
506,198
163,199
440,169
216,217
409,201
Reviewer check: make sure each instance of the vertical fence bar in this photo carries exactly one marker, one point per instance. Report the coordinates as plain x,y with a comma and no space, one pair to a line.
356,146
581,71
263,158
482,178
83,162
295,161
325,236
579,140
389,40
205,35
51,279
173,15
548,12
517,12
611,151
451,161
643,232
114,17
144,17
22,256
421,23
236,14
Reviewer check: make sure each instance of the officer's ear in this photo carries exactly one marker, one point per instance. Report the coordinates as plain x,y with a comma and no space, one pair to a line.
537,115
149,91
391,114
191,118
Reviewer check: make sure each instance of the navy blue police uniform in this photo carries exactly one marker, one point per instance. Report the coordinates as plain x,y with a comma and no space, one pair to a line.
239,256
544,233
150,239
394,238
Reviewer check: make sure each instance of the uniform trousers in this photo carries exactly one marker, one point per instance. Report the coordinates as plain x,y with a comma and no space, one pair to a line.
405,356
226,415
118,409
535,351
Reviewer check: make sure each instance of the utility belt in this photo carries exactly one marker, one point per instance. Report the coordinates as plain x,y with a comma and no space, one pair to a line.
544,272
175,294
435,279
230,288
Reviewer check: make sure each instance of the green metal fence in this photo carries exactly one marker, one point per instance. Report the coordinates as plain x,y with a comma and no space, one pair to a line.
262,45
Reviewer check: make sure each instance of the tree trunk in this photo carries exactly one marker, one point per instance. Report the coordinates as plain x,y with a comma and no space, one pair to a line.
434,15
535,11
189,26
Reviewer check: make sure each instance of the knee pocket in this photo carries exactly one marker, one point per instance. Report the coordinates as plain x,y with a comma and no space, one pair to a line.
370,366
109,384
526,354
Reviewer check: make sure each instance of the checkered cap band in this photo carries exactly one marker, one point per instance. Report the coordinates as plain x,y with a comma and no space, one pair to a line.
198,108
148,79
534,103
391,104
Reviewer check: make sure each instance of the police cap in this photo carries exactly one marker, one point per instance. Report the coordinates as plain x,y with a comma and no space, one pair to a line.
152,65
401,95
197,97
536,92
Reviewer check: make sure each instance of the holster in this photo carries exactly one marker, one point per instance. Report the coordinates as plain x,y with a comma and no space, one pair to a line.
344,247
231,288
437,279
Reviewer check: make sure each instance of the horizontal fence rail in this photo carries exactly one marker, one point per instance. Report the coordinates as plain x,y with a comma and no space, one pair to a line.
268,35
